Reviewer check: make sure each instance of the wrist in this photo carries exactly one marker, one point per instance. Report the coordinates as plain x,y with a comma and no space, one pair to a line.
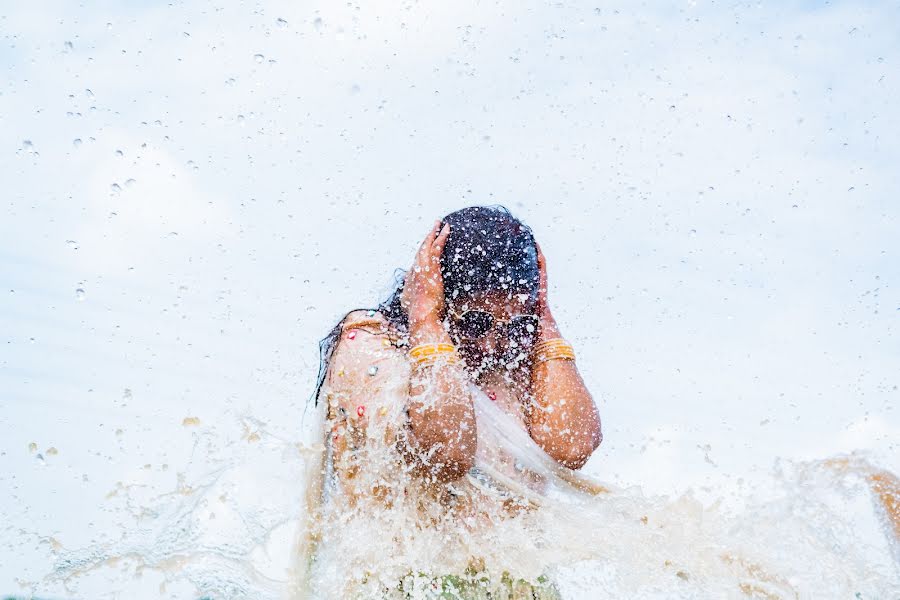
419,316
427,330
548,328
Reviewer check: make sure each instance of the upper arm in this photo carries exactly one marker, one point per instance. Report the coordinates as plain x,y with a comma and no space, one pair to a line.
363,365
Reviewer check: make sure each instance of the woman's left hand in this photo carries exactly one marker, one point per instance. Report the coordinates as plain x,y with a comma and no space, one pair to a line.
543,308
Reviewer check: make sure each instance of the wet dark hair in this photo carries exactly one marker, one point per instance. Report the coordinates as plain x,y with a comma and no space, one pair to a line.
488,249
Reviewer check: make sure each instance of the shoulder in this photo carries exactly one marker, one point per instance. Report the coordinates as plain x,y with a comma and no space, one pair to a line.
368,351
362,318
366,334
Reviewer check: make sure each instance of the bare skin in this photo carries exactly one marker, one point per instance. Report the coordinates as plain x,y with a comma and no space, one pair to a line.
557,408
443,427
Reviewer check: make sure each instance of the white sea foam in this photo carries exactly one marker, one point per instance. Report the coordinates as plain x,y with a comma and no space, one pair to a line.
232,532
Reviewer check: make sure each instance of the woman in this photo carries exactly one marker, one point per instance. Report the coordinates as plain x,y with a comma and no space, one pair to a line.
417,478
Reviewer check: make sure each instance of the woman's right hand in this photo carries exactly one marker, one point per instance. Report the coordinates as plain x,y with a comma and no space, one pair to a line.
423,289
440,436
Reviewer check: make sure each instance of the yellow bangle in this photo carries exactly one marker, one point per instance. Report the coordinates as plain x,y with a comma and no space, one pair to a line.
544,357
430,349
451,358
552,343
556,348
429,354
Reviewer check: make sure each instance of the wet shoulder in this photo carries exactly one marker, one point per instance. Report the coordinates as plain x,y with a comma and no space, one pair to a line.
369,347
369,371
369,319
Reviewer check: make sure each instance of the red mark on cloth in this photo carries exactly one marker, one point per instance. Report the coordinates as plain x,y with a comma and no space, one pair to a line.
360,411
351,335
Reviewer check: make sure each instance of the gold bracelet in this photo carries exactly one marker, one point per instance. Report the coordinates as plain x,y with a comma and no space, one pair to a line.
556,348
427,361
551,343
551,356
430,349
429,354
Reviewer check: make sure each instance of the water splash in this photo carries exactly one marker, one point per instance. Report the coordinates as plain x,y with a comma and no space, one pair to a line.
232,528
224,531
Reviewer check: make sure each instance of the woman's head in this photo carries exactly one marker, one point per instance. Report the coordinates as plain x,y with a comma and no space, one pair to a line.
489,263
488,252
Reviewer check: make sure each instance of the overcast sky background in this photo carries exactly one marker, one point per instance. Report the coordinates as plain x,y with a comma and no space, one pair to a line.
195,192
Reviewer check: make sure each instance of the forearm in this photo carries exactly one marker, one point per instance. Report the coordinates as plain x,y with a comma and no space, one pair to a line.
563,418
441,413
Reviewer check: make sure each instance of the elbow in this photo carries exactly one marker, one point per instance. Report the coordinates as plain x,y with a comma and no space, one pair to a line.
453,466
446,466
576,454
440,461
572,460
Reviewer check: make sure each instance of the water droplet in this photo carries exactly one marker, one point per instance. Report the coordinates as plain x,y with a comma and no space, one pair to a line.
130,183
79,294
89,93
281,23
119,153
259,58
28,146
116,188
317,23
32,447
76,142
72,244
372,370
68,45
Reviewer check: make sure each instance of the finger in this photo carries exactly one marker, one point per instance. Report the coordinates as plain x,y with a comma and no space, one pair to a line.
424,248
442,237
438,246
430,237
542,270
